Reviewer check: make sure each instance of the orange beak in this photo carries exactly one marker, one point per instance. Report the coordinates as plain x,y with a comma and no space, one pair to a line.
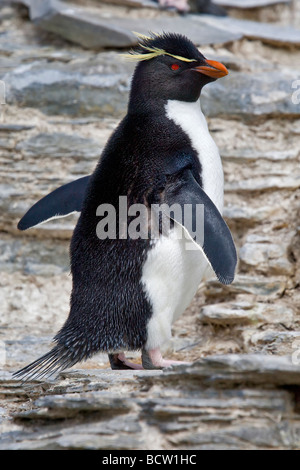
213,69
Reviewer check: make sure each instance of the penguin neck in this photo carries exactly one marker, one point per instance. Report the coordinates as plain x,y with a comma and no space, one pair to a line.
187,115
145,101
146,106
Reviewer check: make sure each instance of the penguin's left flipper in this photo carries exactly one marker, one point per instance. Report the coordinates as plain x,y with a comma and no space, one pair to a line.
61,202
210,233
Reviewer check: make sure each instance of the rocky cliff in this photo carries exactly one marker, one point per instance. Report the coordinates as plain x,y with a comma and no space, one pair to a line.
62,102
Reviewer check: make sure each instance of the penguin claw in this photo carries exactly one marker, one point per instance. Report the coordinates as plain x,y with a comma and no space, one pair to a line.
119,362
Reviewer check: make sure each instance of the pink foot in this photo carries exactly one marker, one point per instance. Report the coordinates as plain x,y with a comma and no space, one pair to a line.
153,359
130,365
118,361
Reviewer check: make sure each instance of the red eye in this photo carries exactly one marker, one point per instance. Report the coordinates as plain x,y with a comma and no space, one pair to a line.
174,66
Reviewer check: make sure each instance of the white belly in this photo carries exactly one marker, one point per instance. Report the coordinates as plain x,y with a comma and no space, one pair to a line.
172,274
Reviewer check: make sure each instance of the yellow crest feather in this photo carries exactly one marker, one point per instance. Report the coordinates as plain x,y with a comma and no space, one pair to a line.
152,51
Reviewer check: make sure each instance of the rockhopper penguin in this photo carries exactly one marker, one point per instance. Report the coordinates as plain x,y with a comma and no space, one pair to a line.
128,291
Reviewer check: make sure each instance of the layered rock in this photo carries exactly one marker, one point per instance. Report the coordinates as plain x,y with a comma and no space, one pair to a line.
196,407
240,385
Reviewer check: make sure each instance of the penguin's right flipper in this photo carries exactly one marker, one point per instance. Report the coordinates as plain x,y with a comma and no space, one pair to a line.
61,202
215,240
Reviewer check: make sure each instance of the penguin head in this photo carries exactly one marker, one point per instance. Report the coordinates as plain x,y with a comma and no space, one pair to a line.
170,67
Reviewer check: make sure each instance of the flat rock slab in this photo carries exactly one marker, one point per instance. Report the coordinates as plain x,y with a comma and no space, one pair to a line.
265,32
15,127
90,29
256,285
230,368
116,32
96,86
250,96
248,215
246,154
241,312
59,145
129,3
267,257
245,4
186,407
230,313
272,183
99,87
34,256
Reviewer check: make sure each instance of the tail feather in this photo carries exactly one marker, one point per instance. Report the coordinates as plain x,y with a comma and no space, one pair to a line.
56,360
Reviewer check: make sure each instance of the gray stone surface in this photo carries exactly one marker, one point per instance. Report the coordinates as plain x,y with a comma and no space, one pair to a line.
248,215
100,88
270,34
256,285
130,3
243,4
249,154
91,28
267,257
231,313
78,83
251,96
243,312
82,27
96,86
34,257
266,183
14,127
59,145
198,408
256,369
